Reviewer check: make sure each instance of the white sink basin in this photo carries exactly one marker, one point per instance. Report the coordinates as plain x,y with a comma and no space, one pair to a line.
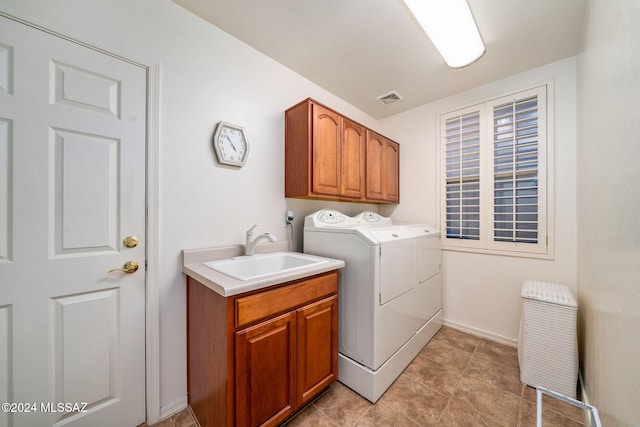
261,265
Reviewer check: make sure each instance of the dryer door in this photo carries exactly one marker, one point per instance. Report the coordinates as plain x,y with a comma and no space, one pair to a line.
428,243
398,267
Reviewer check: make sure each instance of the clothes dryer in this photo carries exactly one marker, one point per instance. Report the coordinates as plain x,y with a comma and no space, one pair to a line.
389,295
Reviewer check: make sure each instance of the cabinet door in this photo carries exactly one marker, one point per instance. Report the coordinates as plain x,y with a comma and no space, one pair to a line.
375,150
326,151
353,157
383,160
265,372
317,347
391,172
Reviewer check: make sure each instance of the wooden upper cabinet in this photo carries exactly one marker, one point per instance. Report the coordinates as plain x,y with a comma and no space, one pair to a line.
326,156
382,170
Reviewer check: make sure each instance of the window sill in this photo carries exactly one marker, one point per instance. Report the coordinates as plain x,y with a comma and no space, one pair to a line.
480,251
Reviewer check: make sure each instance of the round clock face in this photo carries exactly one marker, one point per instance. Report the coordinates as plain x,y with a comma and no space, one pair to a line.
231,144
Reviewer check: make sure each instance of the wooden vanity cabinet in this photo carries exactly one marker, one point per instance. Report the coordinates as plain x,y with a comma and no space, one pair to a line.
383,156
256,358
325,155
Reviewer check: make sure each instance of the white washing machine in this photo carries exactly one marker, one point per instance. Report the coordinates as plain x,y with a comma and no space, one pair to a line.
389,296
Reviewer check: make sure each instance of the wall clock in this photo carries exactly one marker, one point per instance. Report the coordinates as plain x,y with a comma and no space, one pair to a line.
231,144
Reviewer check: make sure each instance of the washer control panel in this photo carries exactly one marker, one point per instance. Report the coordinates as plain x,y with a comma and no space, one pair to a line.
330,216
370,217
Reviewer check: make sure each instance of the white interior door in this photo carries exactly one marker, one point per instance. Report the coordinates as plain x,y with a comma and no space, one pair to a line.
72,187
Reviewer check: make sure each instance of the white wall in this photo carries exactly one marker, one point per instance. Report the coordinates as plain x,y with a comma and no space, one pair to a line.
206,76
608,203
481,293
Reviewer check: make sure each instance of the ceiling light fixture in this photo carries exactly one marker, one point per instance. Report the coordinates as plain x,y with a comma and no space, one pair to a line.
452,29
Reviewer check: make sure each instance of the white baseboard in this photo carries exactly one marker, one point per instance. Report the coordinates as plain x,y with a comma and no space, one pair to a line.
173,407
481,333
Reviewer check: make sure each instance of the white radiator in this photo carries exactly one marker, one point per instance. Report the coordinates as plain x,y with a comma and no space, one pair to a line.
548,344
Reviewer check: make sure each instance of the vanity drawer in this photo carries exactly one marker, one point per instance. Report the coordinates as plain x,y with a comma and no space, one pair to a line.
259,306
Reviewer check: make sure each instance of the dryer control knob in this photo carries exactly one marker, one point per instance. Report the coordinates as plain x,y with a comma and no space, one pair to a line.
330,217
370,216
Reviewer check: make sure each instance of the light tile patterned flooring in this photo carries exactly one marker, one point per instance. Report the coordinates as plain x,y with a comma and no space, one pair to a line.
457,380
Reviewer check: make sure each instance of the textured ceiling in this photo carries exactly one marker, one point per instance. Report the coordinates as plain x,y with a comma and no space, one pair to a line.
360,49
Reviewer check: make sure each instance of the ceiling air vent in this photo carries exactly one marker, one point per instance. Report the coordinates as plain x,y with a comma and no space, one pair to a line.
389,98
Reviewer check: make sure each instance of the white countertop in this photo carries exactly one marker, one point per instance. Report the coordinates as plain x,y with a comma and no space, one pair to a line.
193,259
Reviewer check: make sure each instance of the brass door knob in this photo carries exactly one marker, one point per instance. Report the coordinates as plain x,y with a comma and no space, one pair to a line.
130,242
128,267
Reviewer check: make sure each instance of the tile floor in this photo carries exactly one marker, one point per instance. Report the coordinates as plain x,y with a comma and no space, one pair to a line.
185,418
457,380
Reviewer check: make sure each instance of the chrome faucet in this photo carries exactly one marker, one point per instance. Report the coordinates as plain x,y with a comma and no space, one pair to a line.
251,242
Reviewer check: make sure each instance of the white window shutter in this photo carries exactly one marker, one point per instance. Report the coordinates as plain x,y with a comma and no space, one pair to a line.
461,135
518,161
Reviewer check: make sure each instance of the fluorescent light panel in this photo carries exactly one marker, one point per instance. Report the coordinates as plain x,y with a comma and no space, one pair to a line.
452,29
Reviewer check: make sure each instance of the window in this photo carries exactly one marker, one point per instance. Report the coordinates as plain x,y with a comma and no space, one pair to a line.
494,175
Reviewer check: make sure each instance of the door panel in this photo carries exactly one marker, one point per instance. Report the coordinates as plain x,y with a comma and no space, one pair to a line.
391,183
353,157
85,192
375,150
5,173
76,356
6,343
83,89
326,151
265,372
72,186
317,348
